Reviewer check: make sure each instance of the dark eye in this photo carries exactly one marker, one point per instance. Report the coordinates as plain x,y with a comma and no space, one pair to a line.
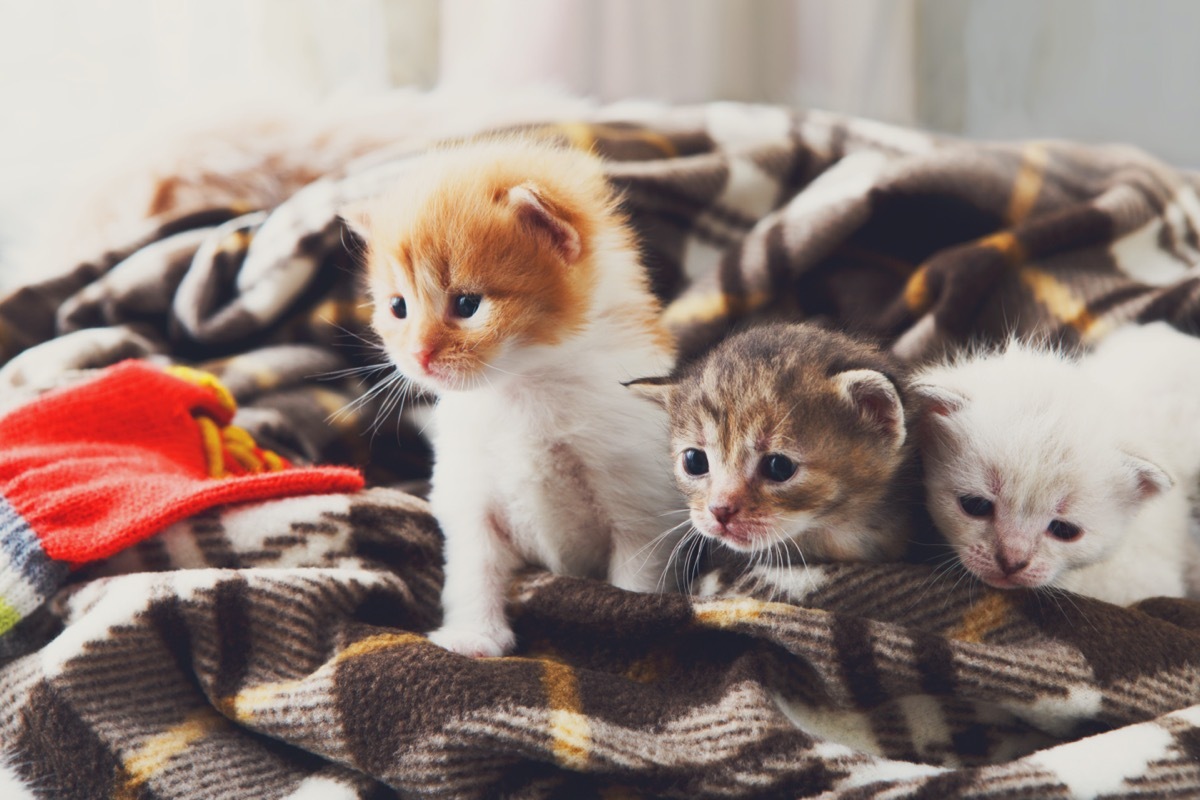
465,305
695,462
976,506
777,468
399,307
1063,531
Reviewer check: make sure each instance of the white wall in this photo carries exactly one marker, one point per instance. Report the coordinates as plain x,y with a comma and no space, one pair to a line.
1094,70
78,74
854,55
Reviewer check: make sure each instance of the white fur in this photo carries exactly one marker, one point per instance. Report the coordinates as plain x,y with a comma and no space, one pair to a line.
12,787
1110,443
498,448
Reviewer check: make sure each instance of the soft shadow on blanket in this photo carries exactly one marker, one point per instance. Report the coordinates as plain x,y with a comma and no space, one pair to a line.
273,650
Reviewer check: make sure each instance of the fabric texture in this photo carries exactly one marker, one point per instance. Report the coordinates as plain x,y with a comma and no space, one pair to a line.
87,470
274,649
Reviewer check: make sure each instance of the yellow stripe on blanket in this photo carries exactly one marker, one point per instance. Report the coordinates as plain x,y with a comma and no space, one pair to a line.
916,291
1059,300
584,135
709,307
1028,183
1007,244
266,696
727,613
917,298
982,618
731,612
734,611
570,730
148,760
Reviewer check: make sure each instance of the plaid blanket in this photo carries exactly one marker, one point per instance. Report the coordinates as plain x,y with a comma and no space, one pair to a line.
274,650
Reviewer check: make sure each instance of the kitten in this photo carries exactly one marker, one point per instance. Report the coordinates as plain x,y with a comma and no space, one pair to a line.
506,282
792,436
1043,470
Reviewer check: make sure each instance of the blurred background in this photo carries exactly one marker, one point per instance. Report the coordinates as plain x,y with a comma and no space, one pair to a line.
78,75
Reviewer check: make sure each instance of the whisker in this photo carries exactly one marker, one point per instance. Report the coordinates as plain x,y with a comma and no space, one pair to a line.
696,548
652,543
514,374
359,402
1066,595
374,344
364,370
395,396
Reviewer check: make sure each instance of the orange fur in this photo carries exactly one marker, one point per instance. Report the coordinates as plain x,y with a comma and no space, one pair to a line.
453,229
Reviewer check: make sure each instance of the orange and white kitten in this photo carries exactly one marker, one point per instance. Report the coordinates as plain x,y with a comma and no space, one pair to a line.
505,281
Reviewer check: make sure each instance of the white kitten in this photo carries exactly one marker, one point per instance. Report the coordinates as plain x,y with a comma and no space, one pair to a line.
505,281
1044,470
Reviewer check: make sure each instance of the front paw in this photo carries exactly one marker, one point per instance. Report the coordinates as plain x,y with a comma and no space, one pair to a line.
473,643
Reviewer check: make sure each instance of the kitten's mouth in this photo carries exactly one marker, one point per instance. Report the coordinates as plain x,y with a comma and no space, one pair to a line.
739,536
443,378
1018,581
995,577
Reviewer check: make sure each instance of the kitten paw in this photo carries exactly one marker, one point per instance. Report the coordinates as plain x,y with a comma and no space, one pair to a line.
474,644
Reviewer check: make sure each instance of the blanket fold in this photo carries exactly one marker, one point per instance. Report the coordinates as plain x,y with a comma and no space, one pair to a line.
274,648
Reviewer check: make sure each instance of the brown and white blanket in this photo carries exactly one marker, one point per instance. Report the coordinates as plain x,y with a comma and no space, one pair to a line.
275,650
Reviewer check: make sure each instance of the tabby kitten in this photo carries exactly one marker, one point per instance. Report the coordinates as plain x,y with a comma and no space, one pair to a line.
792,436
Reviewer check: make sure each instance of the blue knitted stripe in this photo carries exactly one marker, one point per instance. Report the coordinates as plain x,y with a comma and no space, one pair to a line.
27,575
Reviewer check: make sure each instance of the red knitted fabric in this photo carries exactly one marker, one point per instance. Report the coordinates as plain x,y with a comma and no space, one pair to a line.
97,467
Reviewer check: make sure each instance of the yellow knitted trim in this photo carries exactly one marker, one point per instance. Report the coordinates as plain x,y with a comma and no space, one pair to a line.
210,435
229,450
206,380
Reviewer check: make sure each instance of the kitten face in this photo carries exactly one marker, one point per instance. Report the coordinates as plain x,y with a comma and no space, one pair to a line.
1022,475
1012,528
782,437
750,490
480,258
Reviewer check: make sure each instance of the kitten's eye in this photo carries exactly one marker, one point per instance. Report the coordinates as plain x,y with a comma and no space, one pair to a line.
1063,531
465,305
777,468
695,462
976,506
399,307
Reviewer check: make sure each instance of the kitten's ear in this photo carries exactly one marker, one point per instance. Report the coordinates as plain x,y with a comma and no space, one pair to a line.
657,390
357,218
876,398
539,217
938,400
1145,479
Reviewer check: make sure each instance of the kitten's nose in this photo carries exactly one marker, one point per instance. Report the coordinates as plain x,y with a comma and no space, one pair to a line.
723,513
424,356
1010,567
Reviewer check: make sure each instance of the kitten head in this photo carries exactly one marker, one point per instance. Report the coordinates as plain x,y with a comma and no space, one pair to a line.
486,249
786,434
1025,476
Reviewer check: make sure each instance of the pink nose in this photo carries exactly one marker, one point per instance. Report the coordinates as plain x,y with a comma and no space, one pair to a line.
1010,567
424,356
723,514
